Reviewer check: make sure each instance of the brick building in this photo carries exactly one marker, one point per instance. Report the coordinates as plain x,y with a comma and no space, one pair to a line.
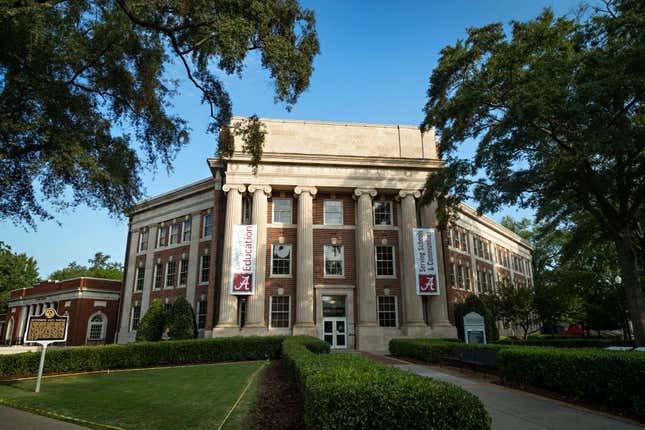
91,303
334,205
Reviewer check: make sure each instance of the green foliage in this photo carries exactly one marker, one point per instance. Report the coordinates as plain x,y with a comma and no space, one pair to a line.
428,350
346,391
99,267
152,324
181,320
516,305
565,342
143,354
71,70
16,271
555,106
611,378
474,304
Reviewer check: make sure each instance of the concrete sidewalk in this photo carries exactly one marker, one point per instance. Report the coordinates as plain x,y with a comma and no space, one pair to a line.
14,419
514,409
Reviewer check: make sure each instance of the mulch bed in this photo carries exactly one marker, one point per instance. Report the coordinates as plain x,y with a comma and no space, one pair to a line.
279,405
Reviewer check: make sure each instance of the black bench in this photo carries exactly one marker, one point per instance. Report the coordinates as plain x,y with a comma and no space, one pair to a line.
477,358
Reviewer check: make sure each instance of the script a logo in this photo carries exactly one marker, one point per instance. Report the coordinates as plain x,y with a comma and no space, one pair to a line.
242,282
428,283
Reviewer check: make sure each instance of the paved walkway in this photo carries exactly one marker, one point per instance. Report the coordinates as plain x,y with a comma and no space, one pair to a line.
514,409
14,419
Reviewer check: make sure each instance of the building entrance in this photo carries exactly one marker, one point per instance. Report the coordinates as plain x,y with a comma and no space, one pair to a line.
335,321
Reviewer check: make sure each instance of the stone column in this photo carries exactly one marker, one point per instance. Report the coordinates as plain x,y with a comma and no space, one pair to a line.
438,305
148,276
256,324
413,323
305,323
368,333
227,325
193,258
23,323
126,300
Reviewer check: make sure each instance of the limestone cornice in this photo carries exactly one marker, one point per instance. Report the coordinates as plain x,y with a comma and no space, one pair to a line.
238,187
365,191
302,189
205,185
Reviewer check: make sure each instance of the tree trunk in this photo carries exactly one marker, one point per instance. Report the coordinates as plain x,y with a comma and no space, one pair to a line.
629,267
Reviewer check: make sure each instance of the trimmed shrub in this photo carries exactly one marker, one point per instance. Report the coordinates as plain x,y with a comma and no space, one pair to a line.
611,378
142,354
347,391
152,323
181,320
423,349
474,304
565,342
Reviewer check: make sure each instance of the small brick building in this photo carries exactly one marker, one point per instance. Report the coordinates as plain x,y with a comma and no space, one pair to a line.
91,303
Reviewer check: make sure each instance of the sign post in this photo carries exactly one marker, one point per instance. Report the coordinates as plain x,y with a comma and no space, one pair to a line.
46,328
424,241
243,255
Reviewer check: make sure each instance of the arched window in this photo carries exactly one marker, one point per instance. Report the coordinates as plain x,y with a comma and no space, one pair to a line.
96,327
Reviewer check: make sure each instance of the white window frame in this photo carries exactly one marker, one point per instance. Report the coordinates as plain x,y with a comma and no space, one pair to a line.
144,233
154,278
204,224
172,232
396,312
183,262
159,236
271,314
342,217
187,227
391,205
198,314
136,279
342,261
393,275
103,327
201,269
174,275
273,211
282,275
132,317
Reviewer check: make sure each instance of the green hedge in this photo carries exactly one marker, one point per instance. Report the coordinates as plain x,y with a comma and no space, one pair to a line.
431,350
612,378
142,354
343,391
565,342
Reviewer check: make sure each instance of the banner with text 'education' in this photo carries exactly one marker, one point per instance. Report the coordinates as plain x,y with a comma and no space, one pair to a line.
424,242
243,254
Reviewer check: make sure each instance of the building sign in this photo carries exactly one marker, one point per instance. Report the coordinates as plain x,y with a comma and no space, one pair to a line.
474,328
48,327
424,241
243,254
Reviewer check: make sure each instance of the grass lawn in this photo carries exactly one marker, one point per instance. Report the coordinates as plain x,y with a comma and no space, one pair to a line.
196,397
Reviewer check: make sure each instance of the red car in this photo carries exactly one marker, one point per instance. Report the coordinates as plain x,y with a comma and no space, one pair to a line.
574,329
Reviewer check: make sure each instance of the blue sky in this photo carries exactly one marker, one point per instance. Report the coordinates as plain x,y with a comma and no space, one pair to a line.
375,62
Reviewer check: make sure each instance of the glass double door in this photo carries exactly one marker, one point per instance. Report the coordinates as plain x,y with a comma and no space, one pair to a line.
335,331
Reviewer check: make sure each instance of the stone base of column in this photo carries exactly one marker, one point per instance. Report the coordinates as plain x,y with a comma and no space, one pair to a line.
370,337
226,331
208,334
254,330
305,329
415,330
443,330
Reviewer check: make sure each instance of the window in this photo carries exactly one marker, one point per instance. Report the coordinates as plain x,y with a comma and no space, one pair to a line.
334,260
158,276
186,230
202,308
460,276
281,260
386,310
464,242
96,327
280,311
204,269
143,240
174,233
208,225
384,261
455,235
489,281
383,213
171,266
136,315
480,281
333,212
467,278
282,211
241,311
167,307
452,274
141,274
163,233
183,272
